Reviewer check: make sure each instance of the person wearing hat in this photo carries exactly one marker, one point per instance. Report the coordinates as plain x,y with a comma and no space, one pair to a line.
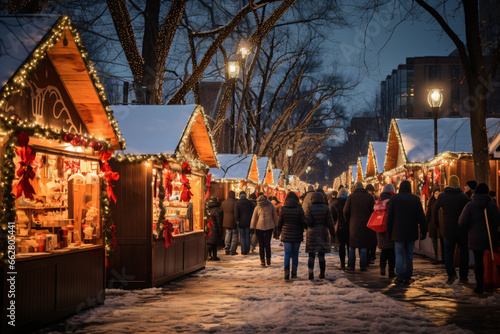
341,227
387,254
264,220
243,212
357,211
307,198
469,188
434,233
473,220
215,235
447,210
372,250
405,225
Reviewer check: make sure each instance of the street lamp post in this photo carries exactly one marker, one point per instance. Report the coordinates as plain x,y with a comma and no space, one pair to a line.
244,49
233,70
307,173
289,153
435,100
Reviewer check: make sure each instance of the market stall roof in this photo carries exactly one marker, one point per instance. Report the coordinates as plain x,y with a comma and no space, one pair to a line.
26,39
262,165
412,140
362,161
379,149
354,173
494,146
276,176
233,166
155,129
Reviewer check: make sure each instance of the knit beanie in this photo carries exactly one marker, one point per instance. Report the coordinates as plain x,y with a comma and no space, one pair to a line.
482,189
358,185
370,187
310,188
243,194
454,181
472,184
388,188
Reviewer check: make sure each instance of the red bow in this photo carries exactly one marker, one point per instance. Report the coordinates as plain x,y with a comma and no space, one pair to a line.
113,234
209,176
425,188
186,193
168,181
185,168
437,174
25,171
209,225
111,176
105,155
167,234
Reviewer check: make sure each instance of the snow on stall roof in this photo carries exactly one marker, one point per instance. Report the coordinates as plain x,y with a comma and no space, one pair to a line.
152,129
19,36
354,172
364,161
453,136
232,166
379,148
262,168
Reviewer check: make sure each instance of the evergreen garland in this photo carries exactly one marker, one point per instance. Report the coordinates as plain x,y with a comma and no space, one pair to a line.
163,211
107,220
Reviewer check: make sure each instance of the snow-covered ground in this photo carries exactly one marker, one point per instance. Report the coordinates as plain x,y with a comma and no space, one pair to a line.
237,295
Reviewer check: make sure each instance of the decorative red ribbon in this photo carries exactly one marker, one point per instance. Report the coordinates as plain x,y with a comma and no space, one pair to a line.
111,176
186,193
73,166
25,171
209,176
425,188
169,177
167,234
105,155
209,225
113,234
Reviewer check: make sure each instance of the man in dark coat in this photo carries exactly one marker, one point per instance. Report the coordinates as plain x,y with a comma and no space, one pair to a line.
447,210
253,237
229,223
214,238
243,212
307,198
357,211
405,216
473,220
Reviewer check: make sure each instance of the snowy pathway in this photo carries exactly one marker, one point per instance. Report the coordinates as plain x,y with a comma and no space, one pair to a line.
237,295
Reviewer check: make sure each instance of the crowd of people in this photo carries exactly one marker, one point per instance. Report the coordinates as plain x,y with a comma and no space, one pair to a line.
452,219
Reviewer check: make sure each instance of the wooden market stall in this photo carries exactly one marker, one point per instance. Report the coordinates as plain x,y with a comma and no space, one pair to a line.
56,131
238,172
279,184
361,170
161,199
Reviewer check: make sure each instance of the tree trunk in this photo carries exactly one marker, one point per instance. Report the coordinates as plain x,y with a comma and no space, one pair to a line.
149,51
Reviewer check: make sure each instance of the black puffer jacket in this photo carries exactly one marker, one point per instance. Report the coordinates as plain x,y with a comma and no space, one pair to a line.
447,210
215,219
472,220
227,207
319,223
357,212
291,222
405,215
244,211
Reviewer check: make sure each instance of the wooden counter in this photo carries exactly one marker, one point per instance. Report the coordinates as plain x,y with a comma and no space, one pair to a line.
54,285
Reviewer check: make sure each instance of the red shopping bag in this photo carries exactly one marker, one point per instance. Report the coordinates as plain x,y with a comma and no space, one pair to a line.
491,269
377,221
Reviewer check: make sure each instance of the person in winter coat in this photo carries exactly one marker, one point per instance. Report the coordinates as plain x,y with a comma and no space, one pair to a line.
357,211
341,226
264,220
277,205
473,220
447,210
320,231
214,238
307,198
405,216
434,233
291,224
469,188
387,254
229,223
372,250
243,212
253,237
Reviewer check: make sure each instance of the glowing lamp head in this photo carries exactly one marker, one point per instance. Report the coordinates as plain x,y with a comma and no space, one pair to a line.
435,98
289,152
233,69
